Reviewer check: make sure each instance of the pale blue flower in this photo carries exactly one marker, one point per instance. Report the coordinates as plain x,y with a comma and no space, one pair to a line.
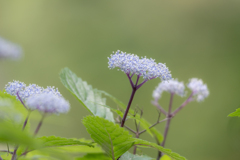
9,50
199,90
25,92
171,86
48,103
132,64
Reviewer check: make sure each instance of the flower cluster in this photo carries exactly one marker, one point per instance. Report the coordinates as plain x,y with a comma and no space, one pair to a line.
9,50
20,89
172,86
130,63
199,90
48,103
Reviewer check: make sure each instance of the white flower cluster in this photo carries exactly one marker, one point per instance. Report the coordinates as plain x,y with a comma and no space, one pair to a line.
9,50
171,86
130,63
199,89
25,92
48,103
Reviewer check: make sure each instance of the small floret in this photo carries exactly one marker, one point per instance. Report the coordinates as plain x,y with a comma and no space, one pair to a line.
171,86
199,90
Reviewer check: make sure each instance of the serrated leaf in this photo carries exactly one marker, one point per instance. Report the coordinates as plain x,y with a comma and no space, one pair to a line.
144,143
94,156
114,140
130,156
235,114
144,123
53,141
88,97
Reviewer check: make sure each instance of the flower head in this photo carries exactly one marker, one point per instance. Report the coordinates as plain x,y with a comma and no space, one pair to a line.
13,87
48,103
9,50
19,89
130,63
199,90
172,86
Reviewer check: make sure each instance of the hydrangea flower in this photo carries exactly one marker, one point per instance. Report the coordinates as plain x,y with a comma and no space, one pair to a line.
48,103
199,90
132,64
9,50
25,92
172,86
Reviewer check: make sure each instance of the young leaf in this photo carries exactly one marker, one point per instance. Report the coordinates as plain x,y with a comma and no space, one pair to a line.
235,114
144,143
111,137
89,97
98,156
144,123
130,156
53,141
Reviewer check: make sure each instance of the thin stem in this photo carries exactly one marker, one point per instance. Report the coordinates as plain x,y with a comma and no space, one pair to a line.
130,102
155,103
1,158
135,147
183,105
168,121
14,156
130,80
39,125
6,151
20,99
154,125
142,83
130,129
8,148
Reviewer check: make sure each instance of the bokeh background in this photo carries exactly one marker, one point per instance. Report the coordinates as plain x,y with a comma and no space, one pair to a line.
195,38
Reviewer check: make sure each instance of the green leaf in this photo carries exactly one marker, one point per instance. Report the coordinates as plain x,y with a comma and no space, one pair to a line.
130,156
144,123
53,141
89,97
14,135
144,143
95,156
235,114
111,137
165,157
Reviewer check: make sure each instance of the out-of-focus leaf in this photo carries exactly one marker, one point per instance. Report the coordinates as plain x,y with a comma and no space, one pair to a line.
94,156
14,135
165,157
130,156
235,114
88,97
111,137
144,143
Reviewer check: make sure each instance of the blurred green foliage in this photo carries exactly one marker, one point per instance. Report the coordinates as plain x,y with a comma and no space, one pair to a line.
194,38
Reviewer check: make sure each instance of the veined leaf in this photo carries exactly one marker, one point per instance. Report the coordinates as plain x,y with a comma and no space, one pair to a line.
130,156
144,123
53,141
98,156
111,137
88,97
235,114
144,143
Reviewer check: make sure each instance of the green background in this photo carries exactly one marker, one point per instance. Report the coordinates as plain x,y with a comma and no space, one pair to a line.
195,38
